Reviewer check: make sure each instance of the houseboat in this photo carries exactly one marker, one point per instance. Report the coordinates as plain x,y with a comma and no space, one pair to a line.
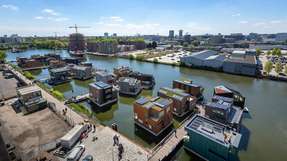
102,94
182,102
29,63
78,54
153,114
238,99
30,99
105,76
122,71
59,75
147,80
223,110
211,140
189,87
82,72
129,86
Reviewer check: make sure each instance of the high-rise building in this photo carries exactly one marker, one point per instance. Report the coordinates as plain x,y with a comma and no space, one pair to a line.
77,42
114,34
171,34
180,34
106,34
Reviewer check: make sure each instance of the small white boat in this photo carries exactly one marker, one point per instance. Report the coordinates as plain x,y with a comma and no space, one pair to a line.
245,109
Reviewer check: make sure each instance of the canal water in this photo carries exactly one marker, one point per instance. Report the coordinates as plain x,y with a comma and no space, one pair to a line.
264,129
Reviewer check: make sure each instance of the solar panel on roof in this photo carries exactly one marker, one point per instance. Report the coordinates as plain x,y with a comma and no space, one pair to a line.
142,100
162,102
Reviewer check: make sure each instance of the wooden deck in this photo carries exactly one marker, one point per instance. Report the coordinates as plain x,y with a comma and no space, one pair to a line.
169,143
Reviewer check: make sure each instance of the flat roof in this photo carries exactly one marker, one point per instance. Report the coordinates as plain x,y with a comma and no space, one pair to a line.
244,59
100,85
214,131
28,89
220,104
63,69
156,102
187,82
129,80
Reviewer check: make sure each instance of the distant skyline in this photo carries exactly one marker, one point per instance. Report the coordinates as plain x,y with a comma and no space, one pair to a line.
130,17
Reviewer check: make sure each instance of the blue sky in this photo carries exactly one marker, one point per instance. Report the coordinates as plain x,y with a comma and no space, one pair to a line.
129,17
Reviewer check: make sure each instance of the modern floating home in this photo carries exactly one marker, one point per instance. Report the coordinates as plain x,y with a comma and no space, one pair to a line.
238,99
105,76
82,72
182,102
59,76
129,86
153,114
211,140
147,80
122,71
30,99
102,94
223,111
189,87
27,64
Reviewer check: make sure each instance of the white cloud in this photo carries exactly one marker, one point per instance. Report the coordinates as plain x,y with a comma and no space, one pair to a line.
10,7
39,17
259,24
50,12
243,22
236,15
275,21
116,19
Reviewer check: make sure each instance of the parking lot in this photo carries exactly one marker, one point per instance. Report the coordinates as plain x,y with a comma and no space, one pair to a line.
7,87
101,146
171,58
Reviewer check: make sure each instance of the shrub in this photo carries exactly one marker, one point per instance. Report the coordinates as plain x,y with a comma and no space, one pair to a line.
29,75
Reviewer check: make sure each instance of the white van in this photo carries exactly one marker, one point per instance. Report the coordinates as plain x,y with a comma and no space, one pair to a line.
76,153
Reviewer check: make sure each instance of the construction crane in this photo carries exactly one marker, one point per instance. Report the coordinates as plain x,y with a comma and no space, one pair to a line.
77,27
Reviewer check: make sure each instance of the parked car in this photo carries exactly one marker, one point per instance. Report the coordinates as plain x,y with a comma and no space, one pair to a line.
76,153
88,158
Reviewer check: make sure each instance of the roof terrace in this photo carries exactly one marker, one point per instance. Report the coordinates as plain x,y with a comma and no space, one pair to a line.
214,131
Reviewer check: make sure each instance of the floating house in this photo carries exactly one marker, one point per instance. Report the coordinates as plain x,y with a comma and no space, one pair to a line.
72,60
59,75
238,99
27,64
105,76
30,98
122,71
102,94
147,80
82,72
211,140
189,87
153,114
224,112
129,86
182,102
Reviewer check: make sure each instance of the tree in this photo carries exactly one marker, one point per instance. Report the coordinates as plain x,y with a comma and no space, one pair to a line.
276,52
269,52
278,67
285,71
2,56
154,44
268,67
258,51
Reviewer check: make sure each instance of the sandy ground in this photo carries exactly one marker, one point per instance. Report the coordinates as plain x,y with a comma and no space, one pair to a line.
7,87
28,132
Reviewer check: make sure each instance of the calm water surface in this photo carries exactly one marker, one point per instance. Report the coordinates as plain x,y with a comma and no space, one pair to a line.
264,129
